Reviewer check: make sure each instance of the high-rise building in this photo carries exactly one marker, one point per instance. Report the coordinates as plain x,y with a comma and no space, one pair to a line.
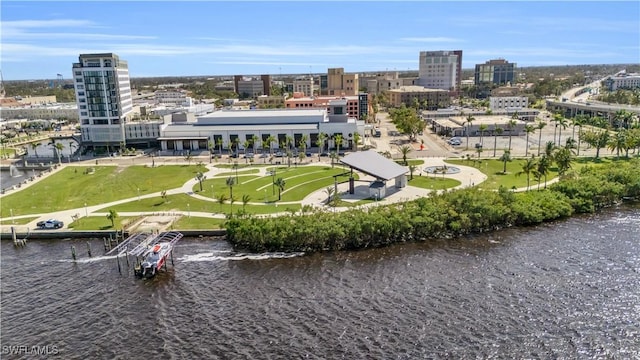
303,84
498,72
440,70
103,94
252,87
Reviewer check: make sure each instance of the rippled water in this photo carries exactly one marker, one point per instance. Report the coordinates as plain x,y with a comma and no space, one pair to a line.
567,290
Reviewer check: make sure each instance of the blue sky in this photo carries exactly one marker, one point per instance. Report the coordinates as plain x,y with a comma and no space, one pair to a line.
165,38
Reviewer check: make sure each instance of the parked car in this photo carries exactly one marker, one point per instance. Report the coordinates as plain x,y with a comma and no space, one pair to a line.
279,154
50,224
264,155
249,155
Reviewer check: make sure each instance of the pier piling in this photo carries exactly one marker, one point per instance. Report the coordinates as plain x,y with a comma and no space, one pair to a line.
89,249
73,252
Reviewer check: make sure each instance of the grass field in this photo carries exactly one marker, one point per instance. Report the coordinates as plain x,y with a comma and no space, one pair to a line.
20,221
496,178
434,183
98,222
71,187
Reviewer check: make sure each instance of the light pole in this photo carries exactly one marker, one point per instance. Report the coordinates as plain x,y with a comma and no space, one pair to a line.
273,182
86,213
265,196
12,220
138,194
211,191
188,210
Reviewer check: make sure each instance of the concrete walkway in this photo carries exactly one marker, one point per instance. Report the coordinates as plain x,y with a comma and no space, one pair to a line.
468,177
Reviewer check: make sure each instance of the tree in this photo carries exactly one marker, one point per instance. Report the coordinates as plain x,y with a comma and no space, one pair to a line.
470,119
59,147
200,177
270,140
496,131
254,142
112,216
246,144
222,197
188,157
527,168
280,183
543,166
618,142
320,143
34,146
562,123
482,128
329,191
303,143
356,140
219,142
597,139
563,158
245,200
404,150
578,121
556,119
231,201
407,121
541,126
230,182
412,169
511,124
338,140
506,156
528,129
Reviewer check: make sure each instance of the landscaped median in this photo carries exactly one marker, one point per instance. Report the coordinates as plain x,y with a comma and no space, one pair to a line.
444,215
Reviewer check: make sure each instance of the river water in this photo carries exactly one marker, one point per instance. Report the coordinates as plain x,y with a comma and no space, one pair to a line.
564,290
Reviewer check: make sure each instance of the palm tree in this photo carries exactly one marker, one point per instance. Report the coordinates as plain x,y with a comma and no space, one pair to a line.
356,140
527,168
280,183
541,126
482,128
231,201
59,147
496,131
112,216
404,150
288,142
320,143
618,142
562,123
245,200
470,119
219,142
338,140
329,191
543,168
506,156
563,158
578,121
200,177
270,140
303,143
246,144
34,146
230,182
254,142
556,119
550,146
510,125
412,169
222,197
528,129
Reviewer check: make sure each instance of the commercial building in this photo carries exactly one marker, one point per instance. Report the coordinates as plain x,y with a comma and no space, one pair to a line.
323,102
440,70
103,95
252,87
497,72
239,128
525,114
458,126
173,97
434,98
508,102
67,111
303,85
338,83
387,81
270,102
622,81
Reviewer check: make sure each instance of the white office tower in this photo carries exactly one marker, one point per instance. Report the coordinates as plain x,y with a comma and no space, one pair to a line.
103,94
437,70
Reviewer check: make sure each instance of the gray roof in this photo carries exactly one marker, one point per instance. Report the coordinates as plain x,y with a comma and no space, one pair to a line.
374,164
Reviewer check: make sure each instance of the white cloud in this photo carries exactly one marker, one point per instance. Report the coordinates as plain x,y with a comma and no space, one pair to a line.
431,39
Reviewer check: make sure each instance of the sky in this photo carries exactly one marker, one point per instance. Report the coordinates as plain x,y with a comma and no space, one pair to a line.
176,38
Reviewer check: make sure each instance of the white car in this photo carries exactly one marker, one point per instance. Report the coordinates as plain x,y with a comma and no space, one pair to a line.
50,224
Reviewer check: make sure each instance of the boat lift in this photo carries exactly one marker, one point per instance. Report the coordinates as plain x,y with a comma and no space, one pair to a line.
140,244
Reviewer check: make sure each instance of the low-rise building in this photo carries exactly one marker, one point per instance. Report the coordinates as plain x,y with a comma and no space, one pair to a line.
458,125
270,102
508,102
323,102
435,98
622,81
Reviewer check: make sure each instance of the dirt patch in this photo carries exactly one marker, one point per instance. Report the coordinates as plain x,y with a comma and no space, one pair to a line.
154,223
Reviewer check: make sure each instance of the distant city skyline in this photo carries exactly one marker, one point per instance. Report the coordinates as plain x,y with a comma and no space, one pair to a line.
42,39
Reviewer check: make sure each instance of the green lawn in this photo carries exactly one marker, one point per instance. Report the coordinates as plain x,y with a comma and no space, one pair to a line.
299,182
97,223
240,172
431,182
198,223
71,187
415,162
496,178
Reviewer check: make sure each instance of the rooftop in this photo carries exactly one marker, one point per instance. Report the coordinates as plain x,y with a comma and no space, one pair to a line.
374,164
